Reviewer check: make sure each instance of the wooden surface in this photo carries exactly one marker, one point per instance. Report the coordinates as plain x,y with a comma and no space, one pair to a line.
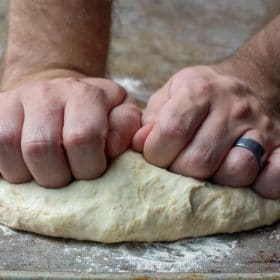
250,252
151,40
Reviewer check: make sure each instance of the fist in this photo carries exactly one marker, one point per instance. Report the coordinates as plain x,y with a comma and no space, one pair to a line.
191,124
55,130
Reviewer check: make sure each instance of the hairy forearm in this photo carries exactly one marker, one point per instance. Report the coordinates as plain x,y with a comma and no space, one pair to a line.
258,63
50,35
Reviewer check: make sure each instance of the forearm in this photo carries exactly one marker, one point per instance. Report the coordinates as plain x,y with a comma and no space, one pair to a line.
48,36
258,63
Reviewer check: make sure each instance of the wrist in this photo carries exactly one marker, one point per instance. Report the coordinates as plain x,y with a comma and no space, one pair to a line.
13,81
256,77
246,70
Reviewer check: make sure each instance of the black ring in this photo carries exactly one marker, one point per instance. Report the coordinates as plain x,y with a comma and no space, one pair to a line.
253,146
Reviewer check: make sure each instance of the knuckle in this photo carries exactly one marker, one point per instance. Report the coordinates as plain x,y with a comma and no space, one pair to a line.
266,124
37,148
125,117
42,95
44,87
243,170
201,105
237,86
240,109
175,128
201,95
202,162
205,87
43,91
92,93
84,88
81,88
9,138
100,95
76,137
118,88
132,112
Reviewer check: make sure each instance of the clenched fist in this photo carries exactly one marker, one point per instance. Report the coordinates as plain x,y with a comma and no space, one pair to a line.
192,123
62,128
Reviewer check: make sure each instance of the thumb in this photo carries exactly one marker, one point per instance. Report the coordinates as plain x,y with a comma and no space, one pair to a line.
155,104
124,121
141,136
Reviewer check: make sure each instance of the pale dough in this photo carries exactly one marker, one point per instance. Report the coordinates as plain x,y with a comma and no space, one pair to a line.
134,200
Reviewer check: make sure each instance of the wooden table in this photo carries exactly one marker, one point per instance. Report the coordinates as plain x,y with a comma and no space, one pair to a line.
249,254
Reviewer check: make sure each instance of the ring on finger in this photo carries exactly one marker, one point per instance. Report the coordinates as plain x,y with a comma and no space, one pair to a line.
253,146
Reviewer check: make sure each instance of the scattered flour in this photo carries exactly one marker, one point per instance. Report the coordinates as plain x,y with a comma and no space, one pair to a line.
134,87
7,231
180,256
275,235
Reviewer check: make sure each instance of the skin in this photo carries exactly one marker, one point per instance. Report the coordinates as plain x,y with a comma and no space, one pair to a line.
189,126
58,118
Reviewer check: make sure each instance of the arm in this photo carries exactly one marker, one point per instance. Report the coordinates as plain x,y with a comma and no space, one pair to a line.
49,37
258,63
192,123
57,120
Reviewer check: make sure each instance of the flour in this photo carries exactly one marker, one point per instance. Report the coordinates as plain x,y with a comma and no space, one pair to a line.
7,231
275,235
130,84
180,256
134,87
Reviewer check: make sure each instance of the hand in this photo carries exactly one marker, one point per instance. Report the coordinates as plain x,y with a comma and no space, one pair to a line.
191,124
55,129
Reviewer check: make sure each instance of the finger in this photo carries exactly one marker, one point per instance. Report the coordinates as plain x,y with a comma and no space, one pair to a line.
240,167
42,143
124,121
84,134
175,126
203,155
149,117
141,136
114,93
155,104
267,183
12,165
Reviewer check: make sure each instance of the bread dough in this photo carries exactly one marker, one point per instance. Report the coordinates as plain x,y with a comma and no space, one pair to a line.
134,200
